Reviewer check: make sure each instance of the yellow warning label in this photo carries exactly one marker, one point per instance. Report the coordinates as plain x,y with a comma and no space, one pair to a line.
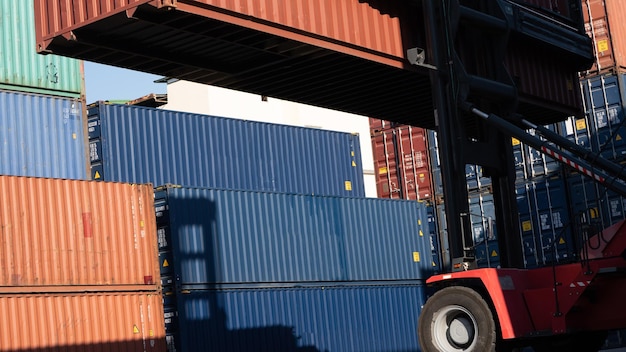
561,240
353,163
515,141
352,153
151,333
135,329
434,264
141,223
581,124
494,253
348,185
382,170
73,135
618,137
165,263
603,45
416,256
419,221
527,226
96,175
593,212
421,233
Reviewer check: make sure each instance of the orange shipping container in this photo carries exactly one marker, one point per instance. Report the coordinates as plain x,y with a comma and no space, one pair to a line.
60,233
401,161
82,322
604,23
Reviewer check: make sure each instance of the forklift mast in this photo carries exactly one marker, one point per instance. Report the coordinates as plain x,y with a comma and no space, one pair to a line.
476,100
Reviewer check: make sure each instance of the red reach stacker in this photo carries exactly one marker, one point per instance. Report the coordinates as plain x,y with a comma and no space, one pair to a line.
563,307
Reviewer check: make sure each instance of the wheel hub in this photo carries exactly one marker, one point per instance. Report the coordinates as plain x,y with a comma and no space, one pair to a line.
461,331
454,329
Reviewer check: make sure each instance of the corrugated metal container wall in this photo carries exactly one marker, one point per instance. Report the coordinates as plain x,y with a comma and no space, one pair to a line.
42,136
544,215
604,24
227,236
330,318
145,145
401,160
82,322
69,233
21,68
604,105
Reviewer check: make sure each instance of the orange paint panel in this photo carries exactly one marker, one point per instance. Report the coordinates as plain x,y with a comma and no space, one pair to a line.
82,322
65,233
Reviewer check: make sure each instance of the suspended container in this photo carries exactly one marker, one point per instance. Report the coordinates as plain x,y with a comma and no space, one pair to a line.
22,68
66,235
230,236
123,321
340,317
42,136
401,161
145,145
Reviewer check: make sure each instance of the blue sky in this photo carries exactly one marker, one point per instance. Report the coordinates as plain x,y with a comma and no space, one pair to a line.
103,82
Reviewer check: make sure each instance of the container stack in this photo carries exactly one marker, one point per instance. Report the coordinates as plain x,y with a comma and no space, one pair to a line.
259,221
78,267
41,103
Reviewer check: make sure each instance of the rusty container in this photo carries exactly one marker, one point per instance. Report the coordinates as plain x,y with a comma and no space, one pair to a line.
604,23
345,55
401,161
60,235
130,321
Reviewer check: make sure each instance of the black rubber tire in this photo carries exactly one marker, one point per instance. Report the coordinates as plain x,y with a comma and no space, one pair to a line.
580,342
456,303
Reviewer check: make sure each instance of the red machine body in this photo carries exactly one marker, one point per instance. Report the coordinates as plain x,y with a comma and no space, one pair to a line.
584,296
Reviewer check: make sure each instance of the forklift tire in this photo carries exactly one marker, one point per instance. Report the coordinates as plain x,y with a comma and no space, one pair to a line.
456,318
582,342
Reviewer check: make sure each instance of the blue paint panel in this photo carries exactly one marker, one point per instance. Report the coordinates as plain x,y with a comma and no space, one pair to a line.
42,136
545,217
230,236
146,145
332,318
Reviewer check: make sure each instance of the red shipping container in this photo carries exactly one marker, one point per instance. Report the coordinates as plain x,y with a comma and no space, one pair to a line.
76,235
129,321
345,55
401,161
604,23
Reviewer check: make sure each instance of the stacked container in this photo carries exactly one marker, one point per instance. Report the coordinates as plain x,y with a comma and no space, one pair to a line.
289,254
141,145
78,266
41,103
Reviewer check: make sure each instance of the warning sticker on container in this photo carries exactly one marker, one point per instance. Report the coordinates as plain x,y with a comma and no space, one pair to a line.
603,45
382,170
348,185
515,141
416,256
527,226
135,329
561,240
494,253
581,124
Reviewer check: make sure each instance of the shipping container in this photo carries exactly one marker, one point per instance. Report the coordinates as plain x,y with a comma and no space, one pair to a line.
375,317
73,235
42,136
21,68
231,236
123,321
146,145
401,161
293,50
604,24
604,107
545,222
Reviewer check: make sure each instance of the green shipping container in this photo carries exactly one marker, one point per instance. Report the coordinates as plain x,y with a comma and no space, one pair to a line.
21,68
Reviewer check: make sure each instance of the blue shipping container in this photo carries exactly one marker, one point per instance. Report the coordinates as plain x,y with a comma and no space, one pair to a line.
145,145
545,221
230,236
42,136
322,318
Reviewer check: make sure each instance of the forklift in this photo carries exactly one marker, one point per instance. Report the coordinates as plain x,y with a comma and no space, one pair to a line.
561,307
